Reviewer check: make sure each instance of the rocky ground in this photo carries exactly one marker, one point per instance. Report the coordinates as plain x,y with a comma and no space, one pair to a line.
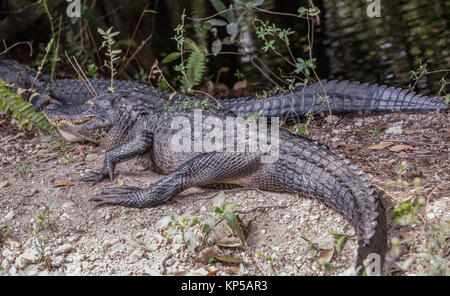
47,224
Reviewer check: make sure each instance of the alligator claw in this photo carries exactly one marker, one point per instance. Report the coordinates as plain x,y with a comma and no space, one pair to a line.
114,196
95,178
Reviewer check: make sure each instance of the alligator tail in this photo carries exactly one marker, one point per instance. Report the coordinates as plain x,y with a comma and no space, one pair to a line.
22,76
308,167
339,96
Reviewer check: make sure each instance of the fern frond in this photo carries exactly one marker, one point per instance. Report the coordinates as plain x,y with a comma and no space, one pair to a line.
23,111
195,68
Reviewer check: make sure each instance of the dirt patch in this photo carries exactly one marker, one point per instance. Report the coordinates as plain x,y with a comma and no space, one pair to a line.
57,230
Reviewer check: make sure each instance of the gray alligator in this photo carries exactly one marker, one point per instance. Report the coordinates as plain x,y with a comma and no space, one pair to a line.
339,97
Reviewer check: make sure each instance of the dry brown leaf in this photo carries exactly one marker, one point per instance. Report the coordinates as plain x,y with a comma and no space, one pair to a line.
234,269
240,84
423,138
401,147
197,272
240,231
408,234
412,132
4,184
64,183
212,270
229,243
13,244
325,256
381,145
230,259
204,255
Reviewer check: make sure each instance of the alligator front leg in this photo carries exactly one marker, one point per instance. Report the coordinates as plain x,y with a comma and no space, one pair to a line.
205,169
126,151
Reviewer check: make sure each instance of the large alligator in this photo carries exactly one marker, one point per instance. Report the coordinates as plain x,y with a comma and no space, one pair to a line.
136,122
338,96
303,166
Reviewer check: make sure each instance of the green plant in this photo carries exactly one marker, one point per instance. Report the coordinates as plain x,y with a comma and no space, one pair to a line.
238,75
93,70
192,70
374,132
44,9
4,230
67,158
223,210
174,223
303,128
340,239
43,221
22,110
23,169
270,261
141,76
189,104
405,212
112,54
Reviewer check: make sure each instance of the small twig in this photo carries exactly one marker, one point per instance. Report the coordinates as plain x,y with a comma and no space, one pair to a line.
434,189
208,95
209,17
122,65
264,73
52,74
134,54
262,207
30,45
155,65
312,6
20,10
84,76
92,91
275,12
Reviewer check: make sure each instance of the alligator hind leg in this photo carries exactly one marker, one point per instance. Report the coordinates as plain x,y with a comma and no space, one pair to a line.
137,146
203,170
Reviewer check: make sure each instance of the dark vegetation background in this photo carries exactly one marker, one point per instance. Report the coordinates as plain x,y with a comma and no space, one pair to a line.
347,43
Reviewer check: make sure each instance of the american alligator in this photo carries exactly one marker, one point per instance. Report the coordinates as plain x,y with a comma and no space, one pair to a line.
343,97
136,122
303,166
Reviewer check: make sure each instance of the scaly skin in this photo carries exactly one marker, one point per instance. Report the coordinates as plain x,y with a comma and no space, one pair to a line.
303,166
343,96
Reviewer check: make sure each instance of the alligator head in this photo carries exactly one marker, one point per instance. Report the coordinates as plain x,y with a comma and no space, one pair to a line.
90,121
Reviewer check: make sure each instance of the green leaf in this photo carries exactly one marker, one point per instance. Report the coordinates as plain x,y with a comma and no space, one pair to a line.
340,243
232,30
216,47
190,44
218,199
231,218
219,6
191,240
302,11
171,57
216,22
207,228
253,3
216,210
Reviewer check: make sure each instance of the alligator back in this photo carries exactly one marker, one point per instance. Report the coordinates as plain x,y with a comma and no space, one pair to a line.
338,96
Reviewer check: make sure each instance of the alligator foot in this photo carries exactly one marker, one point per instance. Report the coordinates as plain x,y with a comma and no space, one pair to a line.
116,196
95,178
